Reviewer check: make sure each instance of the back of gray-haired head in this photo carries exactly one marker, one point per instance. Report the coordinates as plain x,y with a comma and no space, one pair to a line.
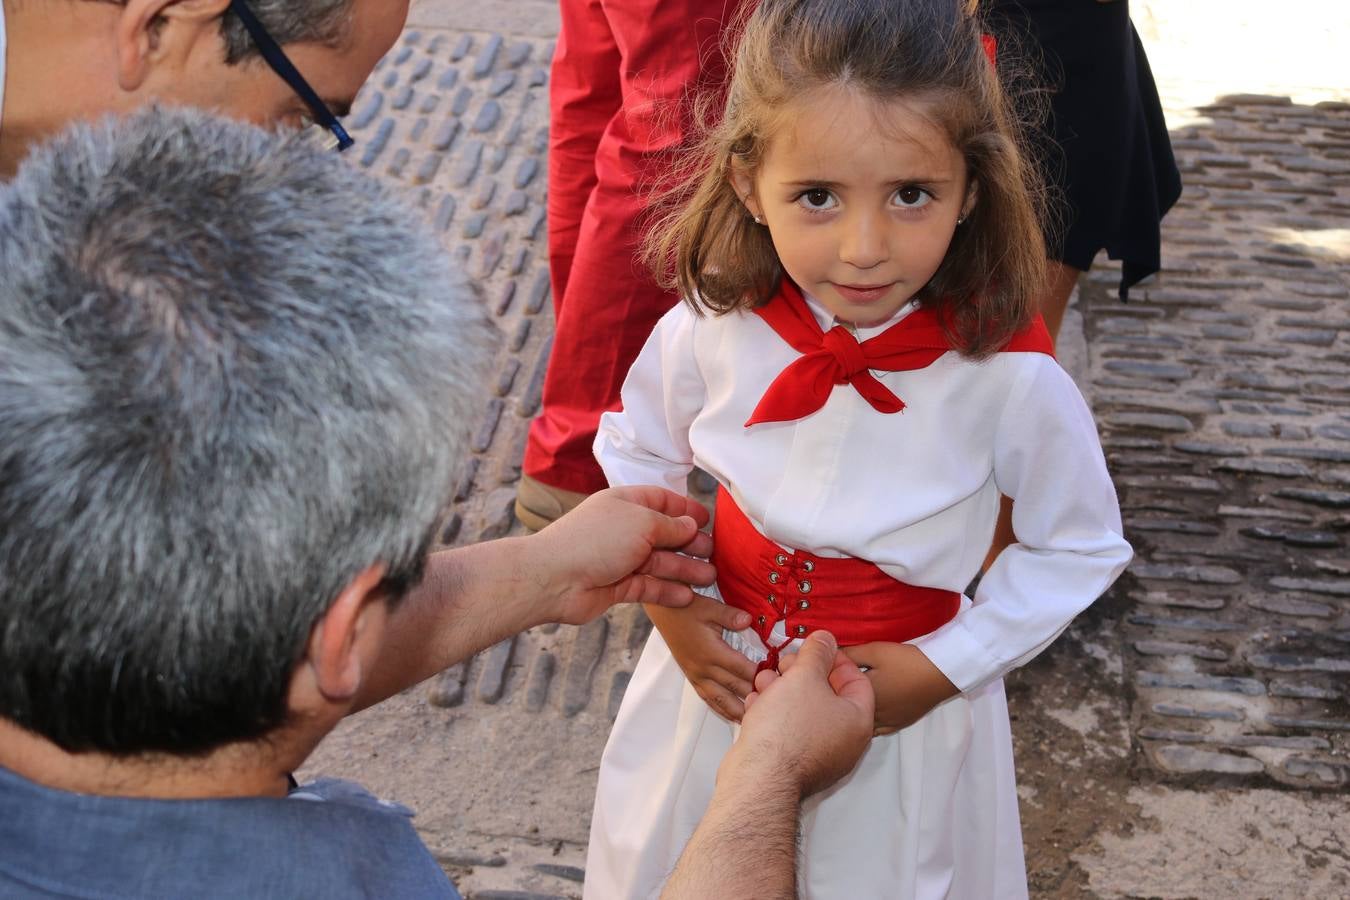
233,375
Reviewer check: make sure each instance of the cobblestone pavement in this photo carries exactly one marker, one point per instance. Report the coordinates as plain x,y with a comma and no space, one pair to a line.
1217,670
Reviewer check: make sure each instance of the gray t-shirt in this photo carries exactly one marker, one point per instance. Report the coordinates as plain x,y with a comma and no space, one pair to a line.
329,839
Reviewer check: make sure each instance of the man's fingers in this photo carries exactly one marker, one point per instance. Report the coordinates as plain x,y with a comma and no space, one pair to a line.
668,503
655,591
764,679
678,567
701,546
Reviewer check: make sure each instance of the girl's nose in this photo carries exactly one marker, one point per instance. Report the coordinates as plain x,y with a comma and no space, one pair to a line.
864,242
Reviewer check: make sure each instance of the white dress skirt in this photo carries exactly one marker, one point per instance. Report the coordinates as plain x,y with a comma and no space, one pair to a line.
931,811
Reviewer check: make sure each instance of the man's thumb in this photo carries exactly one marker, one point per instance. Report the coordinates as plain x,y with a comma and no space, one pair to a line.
818,651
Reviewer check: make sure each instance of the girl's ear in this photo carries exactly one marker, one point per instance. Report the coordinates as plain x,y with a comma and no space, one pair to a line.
744,185
972,198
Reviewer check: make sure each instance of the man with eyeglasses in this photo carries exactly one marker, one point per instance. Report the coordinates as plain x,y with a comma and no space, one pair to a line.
296,62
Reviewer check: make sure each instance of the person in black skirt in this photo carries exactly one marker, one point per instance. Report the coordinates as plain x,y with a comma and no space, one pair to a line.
1104,149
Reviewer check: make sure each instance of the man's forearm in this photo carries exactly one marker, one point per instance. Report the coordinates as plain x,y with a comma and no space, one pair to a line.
471,598
746,844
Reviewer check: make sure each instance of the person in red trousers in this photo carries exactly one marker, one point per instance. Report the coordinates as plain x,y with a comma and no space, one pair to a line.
622,74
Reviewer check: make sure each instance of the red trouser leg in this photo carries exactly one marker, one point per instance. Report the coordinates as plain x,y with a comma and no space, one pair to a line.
632,62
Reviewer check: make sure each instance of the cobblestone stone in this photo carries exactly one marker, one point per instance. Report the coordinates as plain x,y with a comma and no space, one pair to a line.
492,675
1263,467
1329,499
487,428
1182,760
487,58
1174,648
541,677
491,113
445,135
520,335
539,293
1227,685
1289,662
1190,712
1334,588
1331,774
1186,484
1174,623
586,652
569,873
448,691
1151,421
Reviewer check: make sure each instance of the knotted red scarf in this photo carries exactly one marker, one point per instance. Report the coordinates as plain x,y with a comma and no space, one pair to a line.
835,357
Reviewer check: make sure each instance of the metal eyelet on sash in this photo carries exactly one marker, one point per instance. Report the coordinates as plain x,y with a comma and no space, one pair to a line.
762,620
804,587
808,567
805,604
801,630
780,559
774,578
773,600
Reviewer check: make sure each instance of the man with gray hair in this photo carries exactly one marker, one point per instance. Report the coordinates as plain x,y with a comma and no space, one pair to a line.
228,420
78,59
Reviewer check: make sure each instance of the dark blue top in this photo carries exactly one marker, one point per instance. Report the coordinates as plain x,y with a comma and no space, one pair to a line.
328,839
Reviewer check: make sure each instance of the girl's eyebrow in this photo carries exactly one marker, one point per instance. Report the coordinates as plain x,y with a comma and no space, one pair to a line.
826,183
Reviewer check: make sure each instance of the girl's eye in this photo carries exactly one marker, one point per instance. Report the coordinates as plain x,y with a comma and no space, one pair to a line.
817,199
911,197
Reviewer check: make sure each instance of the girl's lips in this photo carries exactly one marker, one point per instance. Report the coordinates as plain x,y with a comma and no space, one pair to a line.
859,293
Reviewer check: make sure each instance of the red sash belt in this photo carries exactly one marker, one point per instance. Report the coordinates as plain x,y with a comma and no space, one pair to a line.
851,598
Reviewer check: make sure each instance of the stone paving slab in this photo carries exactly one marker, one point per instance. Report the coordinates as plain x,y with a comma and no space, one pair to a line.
1223,395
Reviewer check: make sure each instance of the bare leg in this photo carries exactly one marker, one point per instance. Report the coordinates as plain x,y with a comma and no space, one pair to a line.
1059,282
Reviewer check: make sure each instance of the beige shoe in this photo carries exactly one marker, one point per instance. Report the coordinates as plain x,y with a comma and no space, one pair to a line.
538,504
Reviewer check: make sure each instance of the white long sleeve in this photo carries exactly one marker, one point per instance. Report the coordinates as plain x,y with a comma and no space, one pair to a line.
648,443
1067,520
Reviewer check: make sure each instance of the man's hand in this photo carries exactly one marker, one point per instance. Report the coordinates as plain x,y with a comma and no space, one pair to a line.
907,685
803,731
720,675
810,724
622,545
625,544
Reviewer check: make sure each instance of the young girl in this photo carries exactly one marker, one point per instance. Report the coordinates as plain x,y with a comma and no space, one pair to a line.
858,366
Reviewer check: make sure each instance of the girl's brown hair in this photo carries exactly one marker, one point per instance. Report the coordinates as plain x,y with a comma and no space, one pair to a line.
705,245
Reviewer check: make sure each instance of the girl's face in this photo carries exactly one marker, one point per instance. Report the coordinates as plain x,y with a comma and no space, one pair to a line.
861,199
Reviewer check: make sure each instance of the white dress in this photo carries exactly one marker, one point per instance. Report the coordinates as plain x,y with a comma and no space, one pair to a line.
932,810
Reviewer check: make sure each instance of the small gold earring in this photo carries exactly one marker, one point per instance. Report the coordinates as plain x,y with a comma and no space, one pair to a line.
960,220
759,220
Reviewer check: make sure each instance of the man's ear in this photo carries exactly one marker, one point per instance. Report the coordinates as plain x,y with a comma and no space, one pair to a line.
743,183
149,32
347,637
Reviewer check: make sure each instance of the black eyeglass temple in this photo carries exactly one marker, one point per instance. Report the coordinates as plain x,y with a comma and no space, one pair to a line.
273,55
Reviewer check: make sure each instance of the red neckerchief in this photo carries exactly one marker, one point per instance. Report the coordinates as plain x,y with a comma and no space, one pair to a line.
835,357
